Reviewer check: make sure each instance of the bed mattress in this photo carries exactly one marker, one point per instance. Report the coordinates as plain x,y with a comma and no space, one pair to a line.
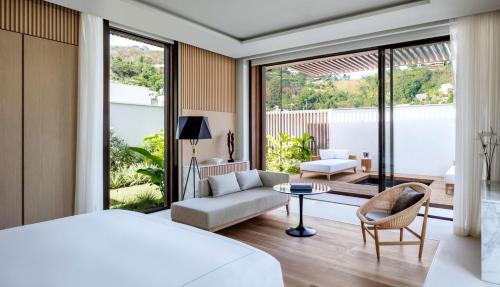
328,165
121,248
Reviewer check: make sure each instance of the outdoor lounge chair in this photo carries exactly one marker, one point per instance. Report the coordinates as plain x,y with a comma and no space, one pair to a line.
375,215
449,180
330,162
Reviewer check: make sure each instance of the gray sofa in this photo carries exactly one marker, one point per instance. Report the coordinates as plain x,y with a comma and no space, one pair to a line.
215,213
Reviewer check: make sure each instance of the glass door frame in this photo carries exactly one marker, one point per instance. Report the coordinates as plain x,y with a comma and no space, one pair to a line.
171,165
384,165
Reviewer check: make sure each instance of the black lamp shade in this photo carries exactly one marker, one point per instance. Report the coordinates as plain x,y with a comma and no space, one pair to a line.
193,128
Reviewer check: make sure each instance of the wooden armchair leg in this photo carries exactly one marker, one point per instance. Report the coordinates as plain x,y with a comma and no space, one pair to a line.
424,228
287,209
363,231
377,246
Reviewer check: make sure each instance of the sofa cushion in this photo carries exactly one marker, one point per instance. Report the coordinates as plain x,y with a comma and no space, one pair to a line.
341,153
223,184
248,179
376,215
210,212
407,198
326,153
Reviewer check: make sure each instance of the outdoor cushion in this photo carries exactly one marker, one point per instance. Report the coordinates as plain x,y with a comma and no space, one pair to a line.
407,198
449,176
341,153
210,212
326,153
248,179
328,165
376,215
223,184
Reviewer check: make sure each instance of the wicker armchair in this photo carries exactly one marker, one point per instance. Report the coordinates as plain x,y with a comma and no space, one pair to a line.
383,202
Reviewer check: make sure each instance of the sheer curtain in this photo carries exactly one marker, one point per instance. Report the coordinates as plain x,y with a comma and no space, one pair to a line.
89,163
476,64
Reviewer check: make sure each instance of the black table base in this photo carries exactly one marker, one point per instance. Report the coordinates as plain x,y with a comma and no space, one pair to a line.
301,230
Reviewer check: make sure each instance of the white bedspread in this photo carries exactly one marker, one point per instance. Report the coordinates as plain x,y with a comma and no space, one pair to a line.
120,248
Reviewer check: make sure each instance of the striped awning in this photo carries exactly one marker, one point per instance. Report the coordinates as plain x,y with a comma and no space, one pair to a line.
363,61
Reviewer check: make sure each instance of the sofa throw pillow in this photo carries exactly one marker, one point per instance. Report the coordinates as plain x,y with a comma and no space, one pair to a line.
249,179
341,153
326,153
223,184
407,198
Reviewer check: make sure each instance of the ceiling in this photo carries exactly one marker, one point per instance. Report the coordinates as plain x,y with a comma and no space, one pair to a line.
243,19
256,28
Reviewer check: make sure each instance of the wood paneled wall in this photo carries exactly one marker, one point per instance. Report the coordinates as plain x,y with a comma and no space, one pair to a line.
50,102
40,19
11,128
208,80
257,118
38,108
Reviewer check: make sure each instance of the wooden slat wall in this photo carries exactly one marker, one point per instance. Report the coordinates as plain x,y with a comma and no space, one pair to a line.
50,102
213,170
257,120
40,19
11,129
208,80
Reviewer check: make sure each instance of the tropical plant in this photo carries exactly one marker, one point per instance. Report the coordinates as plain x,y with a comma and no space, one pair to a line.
119,153
285,153
155,144
155,170
125,176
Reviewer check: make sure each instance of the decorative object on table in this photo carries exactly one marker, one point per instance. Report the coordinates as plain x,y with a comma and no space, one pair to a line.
301,187
230,145
193,128
215,160
489,143
301,230
366,154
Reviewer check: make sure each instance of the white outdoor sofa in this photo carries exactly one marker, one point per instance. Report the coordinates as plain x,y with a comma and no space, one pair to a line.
330,161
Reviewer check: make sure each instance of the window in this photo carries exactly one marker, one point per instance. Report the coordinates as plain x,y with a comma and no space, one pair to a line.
139,116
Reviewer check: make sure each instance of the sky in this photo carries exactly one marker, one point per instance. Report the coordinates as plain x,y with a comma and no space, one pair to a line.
124,42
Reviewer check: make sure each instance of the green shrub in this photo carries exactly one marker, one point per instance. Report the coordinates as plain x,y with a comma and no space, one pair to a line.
127,176
155,144
285,153
120,156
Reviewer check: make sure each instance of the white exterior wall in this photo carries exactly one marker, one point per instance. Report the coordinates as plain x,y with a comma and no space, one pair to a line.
134,122
424,136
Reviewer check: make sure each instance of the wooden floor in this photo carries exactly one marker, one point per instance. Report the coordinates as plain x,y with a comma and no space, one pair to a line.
336,255
345,184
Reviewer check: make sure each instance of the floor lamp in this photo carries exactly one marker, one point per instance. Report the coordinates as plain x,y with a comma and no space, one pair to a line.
193,129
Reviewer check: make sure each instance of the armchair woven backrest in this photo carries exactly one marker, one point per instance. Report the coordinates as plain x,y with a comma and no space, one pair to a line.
384,202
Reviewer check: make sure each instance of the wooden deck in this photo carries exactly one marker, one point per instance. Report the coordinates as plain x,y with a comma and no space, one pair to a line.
345,184
336,255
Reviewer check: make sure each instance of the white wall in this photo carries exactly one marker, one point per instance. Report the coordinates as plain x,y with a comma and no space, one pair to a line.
134,122
424,136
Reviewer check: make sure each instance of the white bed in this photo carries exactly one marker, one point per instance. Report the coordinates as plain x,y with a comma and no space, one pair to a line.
120,248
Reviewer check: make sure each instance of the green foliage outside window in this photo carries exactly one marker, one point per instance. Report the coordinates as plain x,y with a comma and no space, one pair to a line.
285,153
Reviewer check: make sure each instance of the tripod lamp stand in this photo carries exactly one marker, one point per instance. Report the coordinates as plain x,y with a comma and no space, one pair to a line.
193,128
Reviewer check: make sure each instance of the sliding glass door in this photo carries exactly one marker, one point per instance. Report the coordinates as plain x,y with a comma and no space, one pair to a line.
419,117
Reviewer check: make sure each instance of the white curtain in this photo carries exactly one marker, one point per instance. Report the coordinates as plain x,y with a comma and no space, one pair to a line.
476,64
89,163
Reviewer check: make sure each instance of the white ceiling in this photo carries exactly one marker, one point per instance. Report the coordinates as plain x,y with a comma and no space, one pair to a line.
246,28
244,19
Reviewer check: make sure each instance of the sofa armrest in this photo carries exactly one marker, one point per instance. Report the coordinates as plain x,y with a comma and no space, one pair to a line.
270,179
